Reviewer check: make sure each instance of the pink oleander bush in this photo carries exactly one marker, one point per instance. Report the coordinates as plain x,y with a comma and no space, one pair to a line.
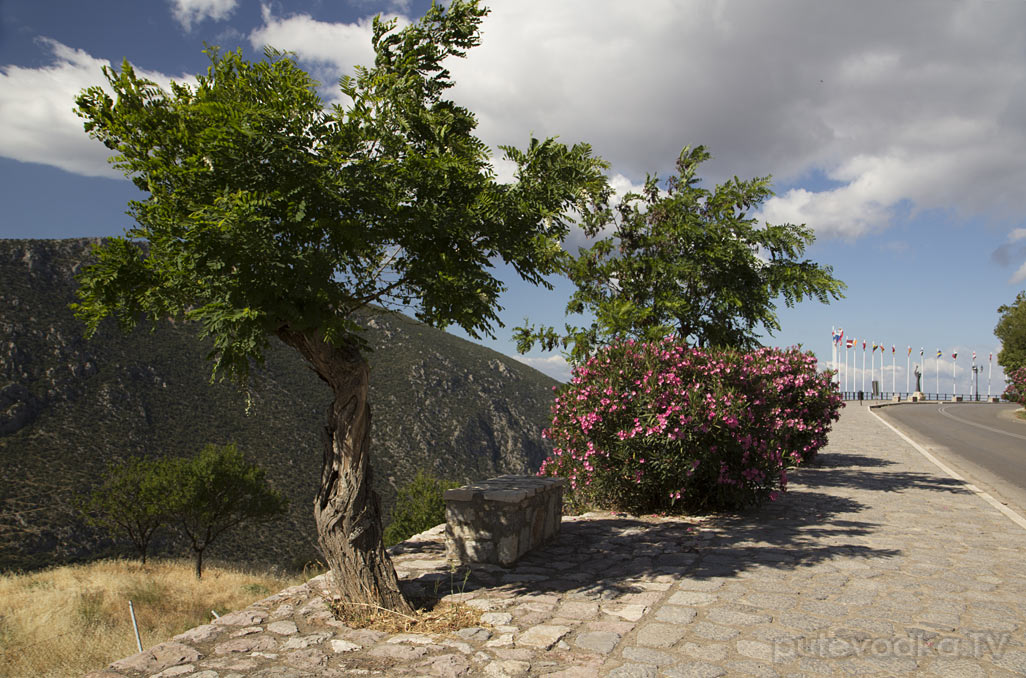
660,427
1015,392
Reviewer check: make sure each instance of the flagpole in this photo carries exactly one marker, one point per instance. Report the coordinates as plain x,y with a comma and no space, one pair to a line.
872,368
845,367
990,368
863,365
833,350
936,373
954,360
879,382
922,361
971,373
908,364
893,372
836,375
855,343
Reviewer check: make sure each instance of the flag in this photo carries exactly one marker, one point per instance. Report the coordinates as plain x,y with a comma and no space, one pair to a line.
954,355
863,344
991,357
850,343
874,347
910,350
974,356
939,353
893,349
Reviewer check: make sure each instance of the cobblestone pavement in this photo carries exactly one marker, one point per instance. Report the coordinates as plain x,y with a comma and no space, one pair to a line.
872,564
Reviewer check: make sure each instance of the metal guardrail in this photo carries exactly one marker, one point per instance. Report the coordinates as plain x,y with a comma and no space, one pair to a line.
888,396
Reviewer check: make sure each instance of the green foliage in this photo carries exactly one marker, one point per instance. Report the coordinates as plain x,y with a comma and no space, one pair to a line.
684,261
151,391
419,506
660,427
130,502
266,212
214,491
1015,392
1011,330
203,496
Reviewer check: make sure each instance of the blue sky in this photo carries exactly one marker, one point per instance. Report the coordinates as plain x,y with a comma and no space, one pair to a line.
896,131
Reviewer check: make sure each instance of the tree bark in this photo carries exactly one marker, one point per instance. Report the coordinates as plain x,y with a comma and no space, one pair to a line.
347,511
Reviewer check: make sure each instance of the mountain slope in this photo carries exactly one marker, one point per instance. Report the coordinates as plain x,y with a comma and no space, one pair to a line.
69,406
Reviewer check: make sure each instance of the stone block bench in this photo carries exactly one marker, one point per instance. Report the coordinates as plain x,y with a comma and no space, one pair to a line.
499,520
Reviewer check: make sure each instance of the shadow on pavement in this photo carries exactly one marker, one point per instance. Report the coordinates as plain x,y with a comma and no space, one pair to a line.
604,557
861,472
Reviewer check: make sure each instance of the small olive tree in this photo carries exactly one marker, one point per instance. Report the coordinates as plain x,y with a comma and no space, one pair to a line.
215,491
131,502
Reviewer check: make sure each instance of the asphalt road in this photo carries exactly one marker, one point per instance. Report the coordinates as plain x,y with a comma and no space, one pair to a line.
984,442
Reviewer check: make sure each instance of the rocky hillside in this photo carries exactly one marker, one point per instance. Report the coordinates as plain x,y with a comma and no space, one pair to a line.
69,406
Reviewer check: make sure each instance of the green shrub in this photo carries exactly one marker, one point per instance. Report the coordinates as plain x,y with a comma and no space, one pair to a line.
1016,389
661,427
419,506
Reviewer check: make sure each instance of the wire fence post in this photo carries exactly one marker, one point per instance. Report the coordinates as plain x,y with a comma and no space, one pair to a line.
131,611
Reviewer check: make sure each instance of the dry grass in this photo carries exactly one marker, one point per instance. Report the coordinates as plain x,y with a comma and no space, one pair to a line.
71,620
441,617
439,611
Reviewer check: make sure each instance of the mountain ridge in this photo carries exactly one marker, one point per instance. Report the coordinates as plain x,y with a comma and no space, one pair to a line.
69,406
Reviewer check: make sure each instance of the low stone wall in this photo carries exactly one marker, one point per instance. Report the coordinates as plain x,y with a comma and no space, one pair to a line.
499,520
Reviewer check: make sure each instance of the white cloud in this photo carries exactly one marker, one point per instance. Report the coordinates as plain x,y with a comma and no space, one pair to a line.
37,119
190,12
330,49
1018,276
902,105
1008,253
555,366
899,106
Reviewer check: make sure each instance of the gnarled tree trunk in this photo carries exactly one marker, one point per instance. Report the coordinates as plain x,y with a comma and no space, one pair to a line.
347,510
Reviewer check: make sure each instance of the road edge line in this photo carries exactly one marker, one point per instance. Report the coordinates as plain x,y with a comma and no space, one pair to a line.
1009,513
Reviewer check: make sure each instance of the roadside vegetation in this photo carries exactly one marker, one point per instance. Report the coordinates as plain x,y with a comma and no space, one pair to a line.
661,427
73,619
1015,392
675,405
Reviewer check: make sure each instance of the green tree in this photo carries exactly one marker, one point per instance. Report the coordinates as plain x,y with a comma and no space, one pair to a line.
1011,330
214,491
687,261
132,501
267,215
419,506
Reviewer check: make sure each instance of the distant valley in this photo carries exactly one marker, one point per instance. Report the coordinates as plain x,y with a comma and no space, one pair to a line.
69,406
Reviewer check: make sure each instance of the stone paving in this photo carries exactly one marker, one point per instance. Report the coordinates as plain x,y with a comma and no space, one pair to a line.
872,564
